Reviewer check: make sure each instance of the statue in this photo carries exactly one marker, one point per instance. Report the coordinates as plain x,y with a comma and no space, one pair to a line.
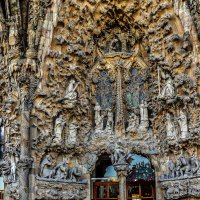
98,117
195,166
61,171
182,120
183,167
59,124
6,170
119,156
115,45
73,127
13,35
13,169
74,173
45,167
144,118
109,125
170,127
133,123
168,91
171,167
71,94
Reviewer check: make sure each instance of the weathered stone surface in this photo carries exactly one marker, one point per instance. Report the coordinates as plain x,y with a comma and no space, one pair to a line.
80,76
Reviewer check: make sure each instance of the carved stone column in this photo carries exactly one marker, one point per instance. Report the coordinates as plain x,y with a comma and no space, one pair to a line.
28,86
24,166
119,127
122,174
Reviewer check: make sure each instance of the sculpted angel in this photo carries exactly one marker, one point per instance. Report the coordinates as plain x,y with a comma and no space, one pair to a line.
71,94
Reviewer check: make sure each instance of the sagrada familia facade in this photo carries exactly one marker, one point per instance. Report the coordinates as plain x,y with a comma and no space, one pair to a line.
100,99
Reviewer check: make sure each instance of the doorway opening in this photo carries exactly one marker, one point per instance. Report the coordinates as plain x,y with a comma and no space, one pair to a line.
140,182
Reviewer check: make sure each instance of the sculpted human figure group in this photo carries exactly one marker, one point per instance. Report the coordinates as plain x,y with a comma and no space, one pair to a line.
60,171
59,132
173,130
183,167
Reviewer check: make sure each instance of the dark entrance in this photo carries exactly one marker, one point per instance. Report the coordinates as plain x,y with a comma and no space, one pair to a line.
140,181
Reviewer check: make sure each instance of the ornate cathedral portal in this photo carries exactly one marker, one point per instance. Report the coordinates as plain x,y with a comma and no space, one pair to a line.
100,99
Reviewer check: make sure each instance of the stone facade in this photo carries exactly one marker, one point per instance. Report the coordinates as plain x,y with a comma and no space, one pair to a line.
80,78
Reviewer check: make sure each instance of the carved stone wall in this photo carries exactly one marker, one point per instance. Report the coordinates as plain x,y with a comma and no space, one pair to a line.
80,78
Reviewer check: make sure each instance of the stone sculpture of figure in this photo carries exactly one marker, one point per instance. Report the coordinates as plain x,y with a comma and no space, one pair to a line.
61,171
13,35
109,125
13,169
133,122
115,45
74,173
98,117
182,120
168,91
195,166
5,166
144,118
183,167
171,167
170,127
71,94
59,124
119,156
45,167
73,129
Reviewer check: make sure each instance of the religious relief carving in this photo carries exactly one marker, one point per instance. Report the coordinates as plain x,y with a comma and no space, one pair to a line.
177,127
133,123
168,90
181,189
49,171
182,168
58,131
9,168
118,43
110,121
120,159
72,134
144,117
105,71
98,118
170,127
8,171
45,167
183,123
67,191
70,98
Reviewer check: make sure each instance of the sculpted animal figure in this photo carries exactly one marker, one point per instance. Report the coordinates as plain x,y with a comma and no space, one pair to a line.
45,167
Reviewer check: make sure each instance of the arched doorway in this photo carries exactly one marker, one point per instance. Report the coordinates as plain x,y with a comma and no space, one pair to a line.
140,182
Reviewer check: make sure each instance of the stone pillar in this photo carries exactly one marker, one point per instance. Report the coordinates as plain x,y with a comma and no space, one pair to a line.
122,174
33,171
119,124
25,161
23,169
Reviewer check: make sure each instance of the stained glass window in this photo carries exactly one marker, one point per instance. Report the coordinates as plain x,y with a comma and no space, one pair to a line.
104,91
135,90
